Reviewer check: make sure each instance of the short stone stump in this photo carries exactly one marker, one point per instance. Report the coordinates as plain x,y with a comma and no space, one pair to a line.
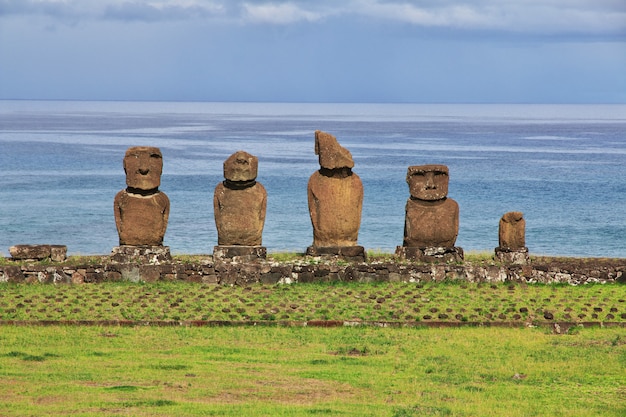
56,253
238,253
512,256
152,255
430,255
349,253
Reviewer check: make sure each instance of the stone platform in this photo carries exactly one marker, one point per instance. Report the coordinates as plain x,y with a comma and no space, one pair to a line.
349,253
430,255
517,256
151,255
239,253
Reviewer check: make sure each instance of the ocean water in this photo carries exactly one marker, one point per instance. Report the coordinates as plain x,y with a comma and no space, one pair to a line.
562,165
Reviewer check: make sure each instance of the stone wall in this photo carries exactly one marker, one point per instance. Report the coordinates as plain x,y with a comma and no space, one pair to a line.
547,270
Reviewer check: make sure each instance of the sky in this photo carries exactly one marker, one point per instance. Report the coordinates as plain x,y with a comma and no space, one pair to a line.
397,51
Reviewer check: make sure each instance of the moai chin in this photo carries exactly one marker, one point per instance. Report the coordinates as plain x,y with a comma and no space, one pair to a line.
141,210
239,204
335,196
432,219
512,239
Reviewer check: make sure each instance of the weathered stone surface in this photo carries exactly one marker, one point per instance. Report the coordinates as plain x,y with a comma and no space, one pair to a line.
512,231
153,255
143,166
12,273
335,195
431,223
428,182
231,272
141,210
239,203
331,154
430,254
432,219
518,256
239,253
354,253
241,166
56,253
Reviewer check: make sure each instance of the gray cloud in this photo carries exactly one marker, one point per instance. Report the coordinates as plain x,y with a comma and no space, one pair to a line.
593,17
151,11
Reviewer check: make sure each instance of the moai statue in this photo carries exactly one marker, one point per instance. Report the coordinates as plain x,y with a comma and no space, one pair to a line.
239,204
431,224
335,196
141,210
512,239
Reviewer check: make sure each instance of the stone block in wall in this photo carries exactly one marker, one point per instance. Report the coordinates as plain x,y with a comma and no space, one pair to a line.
12,273
395,277
322,271
58,276
194,278
78,278
284,270
271,278
306,277
56,253
210,279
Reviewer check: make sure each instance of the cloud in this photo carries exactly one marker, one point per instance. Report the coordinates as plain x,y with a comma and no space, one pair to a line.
279,13
521,16
592,17
123,10
157,11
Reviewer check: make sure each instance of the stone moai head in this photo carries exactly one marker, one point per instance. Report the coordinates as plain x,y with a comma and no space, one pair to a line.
512,231
331,154
143,166
428,182
241,167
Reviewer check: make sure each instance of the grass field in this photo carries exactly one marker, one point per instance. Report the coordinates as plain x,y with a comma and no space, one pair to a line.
274,370
296,371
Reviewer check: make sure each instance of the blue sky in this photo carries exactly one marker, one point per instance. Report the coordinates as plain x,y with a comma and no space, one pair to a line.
430,51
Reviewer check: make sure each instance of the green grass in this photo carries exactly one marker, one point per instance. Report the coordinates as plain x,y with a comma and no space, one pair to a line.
279,371
452,302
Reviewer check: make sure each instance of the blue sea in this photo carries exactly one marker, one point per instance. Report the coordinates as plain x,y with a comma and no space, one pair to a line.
563,166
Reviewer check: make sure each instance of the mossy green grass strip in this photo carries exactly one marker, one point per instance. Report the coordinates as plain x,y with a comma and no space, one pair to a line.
446,302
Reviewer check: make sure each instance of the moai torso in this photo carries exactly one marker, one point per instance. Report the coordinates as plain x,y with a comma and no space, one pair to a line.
432,219
141,210
512,231
240,202
335,195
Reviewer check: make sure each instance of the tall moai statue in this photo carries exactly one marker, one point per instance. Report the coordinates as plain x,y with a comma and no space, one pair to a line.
431,223
142,210
239,204
512,239
335,196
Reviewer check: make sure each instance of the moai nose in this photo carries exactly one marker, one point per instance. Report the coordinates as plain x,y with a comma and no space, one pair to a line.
430,181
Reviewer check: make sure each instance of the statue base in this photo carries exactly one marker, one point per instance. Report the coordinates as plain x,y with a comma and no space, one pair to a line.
350,253
153,255
430,255
517,256
239,253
